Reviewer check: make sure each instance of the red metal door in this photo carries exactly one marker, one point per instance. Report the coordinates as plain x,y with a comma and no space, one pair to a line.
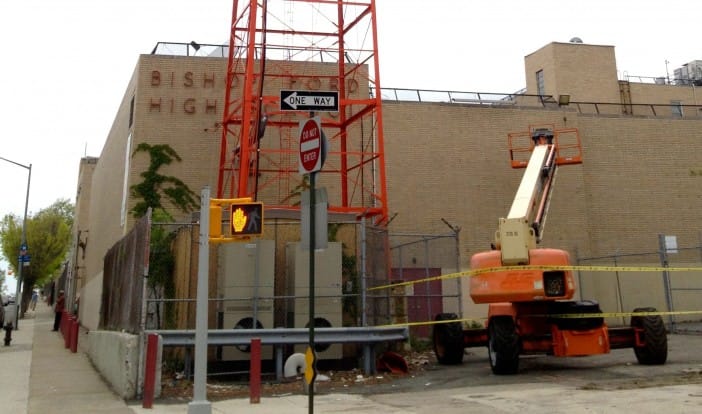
424,299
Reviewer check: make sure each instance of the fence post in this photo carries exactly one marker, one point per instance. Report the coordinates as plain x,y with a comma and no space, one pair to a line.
580,276
430,315
459,283
150,371
666,279
364,315
619,287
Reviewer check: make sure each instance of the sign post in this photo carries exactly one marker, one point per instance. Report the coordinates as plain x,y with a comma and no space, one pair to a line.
200,404
311,161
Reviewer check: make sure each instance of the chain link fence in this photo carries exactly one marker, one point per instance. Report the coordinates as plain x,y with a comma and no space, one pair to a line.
671,291
421,256
370,257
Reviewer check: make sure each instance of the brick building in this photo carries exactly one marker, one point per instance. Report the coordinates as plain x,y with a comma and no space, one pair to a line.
446,159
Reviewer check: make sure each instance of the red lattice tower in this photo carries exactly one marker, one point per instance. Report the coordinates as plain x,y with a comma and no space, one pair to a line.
306,45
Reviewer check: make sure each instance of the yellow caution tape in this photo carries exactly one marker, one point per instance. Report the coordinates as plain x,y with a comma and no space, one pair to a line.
554,316
395,325
476,272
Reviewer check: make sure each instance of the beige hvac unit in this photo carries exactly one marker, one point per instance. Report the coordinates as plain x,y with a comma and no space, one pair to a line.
328,293
246,275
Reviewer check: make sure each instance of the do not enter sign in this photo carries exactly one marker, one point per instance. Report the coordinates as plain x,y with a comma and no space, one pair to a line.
310,146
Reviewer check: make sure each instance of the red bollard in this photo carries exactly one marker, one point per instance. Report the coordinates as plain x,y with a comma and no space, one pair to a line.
150,371
62,323
255,376
66,321
75,327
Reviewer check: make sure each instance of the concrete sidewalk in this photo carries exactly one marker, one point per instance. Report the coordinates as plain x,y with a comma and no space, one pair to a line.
39,375
15,363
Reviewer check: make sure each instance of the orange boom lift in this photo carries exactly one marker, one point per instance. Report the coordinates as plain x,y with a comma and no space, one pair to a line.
528,292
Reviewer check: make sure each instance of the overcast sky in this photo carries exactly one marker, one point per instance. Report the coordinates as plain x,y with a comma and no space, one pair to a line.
66,63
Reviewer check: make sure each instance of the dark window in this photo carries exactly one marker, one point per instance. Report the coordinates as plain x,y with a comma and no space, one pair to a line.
676,108
131,112
540,82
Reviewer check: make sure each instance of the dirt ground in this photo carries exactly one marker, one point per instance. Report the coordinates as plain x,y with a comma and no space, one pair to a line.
618,370
176,389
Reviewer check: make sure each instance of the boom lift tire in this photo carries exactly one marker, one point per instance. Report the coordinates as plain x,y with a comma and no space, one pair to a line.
655,348
503,345
575,307
448,340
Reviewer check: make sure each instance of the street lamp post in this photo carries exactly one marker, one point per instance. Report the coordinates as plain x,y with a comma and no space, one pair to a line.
23,242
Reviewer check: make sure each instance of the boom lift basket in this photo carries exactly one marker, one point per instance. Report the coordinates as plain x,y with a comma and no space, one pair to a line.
567,142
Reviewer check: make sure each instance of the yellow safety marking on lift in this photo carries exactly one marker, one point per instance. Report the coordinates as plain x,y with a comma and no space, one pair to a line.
464,320
555,316
471,273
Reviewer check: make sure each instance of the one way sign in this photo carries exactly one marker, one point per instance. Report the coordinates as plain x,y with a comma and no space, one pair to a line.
323,101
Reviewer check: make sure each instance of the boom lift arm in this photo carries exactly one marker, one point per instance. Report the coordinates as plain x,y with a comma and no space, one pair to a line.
523,227
540,150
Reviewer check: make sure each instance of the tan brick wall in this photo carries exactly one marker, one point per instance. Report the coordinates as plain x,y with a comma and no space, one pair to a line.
588,73
452,162
82,218
663,94
442,160
106,194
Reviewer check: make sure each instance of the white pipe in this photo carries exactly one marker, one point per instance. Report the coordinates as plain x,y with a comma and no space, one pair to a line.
295,365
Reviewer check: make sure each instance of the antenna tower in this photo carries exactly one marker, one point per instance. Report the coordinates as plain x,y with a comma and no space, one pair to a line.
303,45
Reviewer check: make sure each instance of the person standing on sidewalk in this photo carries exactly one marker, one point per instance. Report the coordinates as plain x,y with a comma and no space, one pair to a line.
58,309
33,302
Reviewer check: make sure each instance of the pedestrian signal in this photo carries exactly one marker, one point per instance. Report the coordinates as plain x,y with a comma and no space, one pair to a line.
247,219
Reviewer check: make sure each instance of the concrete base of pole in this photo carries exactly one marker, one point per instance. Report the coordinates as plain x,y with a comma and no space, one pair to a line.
200,407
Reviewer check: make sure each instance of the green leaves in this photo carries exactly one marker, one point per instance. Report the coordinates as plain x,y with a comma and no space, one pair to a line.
48,239
149,191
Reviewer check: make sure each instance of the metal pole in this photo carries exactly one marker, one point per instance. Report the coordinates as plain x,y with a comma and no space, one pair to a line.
619,288
666,280
430,316
18,296
580,276
457,241
144,304
199,404
20,263
255,287
310,388
364,317
459,280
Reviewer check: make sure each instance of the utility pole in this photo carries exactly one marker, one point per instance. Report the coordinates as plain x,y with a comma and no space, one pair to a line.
23,245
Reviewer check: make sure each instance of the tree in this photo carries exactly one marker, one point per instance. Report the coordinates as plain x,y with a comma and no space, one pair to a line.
2,281
48,239
148,194
149,191
161,265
